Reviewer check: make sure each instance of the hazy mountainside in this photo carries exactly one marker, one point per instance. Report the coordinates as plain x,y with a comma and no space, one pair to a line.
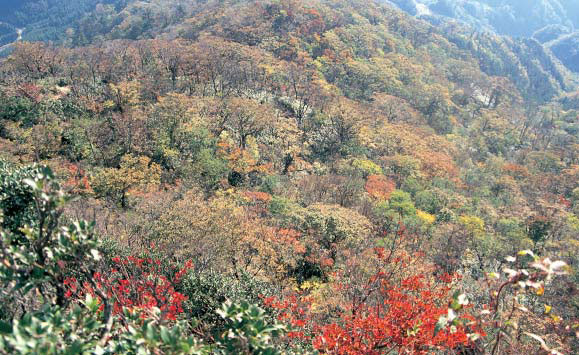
43,20
351,169
544,20
7,34
518,18
566,48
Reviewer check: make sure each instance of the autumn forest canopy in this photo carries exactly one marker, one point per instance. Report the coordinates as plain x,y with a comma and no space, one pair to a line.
340,177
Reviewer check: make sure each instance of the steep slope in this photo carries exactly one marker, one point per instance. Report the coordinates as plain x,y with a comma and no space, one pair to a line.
566,48
7,34
82,22
518,18
544,20
44,20
527,64
296,145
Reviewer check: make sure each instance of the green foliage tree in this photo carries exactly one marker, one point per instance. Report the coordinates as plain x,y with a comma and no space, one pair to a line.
16,198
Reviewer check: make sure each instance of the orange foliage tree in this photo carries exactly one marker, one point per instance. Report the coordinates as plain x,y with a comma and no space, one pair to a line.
380,187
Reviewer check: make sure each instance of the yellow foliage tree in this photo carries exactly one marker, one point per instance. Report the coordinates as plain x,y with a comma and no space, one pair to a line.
474,225
223,236
134,173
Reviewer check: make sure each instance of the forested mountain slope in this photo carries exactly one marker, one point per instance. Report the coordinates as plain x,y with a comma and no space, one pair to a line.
529,66
566,48
355,171
518,18
43,20
543,20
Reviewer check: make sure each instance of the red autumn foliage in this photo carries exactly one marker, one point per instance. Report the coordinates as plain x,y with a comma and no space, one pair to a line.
77,182
390,314
30,91
565,202
380,187
290,237
138,284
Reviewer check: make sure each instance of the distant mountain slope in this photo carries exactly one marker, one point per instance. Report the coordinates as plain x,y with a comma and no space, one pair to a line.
7,33
44,20
566,48
544,20
525,61
518,18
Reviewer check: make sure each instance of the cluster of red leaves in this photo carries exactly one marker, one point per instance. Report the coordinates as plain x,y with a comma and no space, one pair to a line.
565,202
294,310
77,182
290,237
397,315
30,91
138,284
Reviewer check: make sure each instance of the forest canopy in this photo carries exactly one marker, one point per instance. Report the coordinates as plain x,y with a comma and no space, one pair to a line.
284,177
